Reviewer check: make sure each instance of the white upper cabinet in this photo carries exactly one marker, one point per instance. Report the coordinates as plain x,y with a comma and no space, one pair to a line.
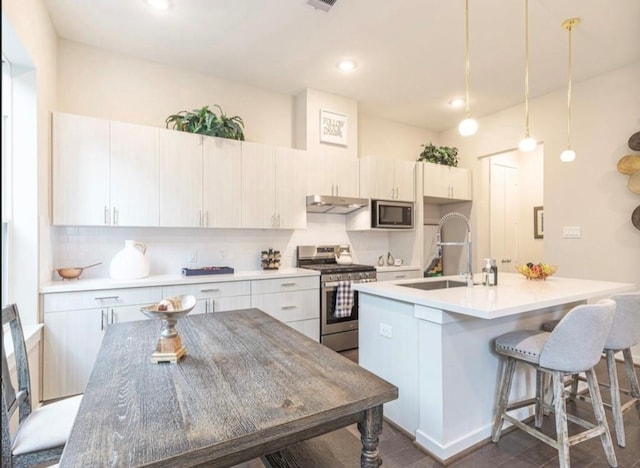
80,170
200,180
332,174
444,184
104,173
387,179
135,191
273,187
222,172
180,179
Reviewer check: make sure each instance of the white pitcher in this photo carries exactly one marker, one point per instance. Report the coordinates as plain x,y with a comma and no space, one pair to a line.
130,262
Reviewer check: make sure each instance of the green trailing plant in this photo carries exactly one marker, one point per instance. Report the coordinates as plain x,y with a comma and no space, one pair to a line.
206,122
445,155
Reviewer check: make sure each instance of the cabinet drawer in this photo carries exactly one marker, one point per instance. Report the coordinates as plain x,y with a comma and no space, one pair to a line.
285,284
398,275
55,302
210,290
289,306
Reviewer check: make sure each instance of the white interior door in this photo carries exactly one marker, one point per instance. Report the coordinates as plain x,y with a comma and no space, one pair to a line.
504,208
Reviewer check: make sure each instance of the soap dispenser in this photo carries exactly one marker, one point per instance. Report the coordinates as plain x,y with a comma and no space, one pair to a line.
485,272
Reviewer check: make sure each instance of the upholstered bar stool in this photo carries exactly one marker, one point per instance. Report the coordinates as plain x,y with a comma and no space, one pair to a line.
574,346
624,334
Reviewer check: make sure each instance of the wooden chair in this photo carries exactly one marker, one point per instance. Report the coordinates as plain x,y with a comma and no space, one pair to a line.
624,334
41,433
574,346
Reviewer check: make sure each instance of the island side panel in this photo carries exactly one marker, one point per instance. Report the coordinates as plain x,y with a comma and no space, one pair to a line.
456,353
393,358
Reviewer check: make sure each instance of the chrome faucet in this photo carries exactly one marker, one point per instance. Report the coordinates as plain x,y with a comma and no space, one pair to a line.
454,214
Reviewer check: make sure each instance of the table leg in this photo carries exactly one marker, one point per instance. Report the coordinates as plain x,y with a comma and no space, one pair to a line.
370,429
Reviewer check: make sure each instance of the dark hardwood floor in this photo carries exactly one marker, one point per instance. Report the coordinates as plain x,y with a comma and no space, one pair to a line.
516,449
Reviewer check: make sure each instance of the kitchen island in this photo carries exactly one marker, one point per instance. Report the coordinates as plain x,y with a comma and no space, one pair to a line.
436,346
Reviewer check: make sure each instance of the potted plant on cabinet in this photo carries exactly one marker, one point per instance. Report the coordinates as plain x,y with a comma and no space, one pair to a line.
206,122
445,155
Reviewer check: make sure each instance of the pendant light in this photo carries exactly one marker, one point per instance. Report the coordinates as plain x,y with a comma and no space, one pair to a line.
528,143
469,125
569,155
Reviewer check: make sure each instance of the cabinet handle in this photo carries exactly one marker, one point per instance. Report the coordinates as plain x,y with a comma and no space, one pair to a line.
400,276
337,191
115,216
103,298
200,218
210,290
278,221
206,218
106,214
213,306
102,320
288,307
113,317
288,284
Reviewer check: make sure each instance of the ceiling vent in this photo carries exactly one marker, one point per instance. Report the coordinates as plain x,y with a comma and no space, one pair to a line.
324,5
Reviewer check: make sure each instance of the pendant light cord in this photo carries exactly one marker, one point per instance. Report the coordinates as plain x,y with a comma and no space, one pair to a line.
466,25
526,67
569,28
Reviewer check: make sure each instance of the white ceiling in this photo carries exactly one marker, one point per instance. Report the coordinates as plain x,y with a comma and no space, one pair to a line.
410,52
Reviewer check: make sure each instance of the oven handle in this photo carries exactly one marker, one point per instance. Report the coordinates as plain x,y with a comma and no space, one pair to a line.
334,284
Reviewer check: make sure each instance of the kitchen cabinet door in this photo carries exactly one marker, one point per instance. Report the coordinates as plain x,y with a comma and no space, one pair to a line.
290,184
126,314
222,170
258,186
135,197
310,328
71,343
80,170
404,179
387,179
445,184
181,178
332,174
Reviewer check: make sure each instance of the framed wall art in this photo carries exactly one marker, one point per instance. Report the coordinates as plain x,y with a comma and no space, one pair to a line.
333,128
538,222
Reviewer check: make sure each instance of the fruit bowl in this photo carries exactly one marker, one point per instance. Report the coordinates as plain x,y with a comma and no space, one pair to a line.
540,271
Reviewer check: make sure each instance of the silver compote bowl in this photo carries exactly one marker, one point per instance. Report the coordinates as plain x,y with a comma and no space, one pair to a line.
169,347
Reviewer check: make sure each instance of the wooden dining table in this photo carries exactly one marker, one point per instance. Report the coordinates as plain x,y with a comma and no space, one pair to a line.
248,386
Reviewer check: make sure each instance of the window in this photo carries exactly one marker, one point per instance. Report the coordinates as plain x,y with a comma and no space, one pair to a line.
6,175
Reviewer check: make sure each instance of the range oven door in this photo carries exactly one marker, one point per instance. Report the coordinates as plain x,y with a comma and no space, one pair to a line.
329,323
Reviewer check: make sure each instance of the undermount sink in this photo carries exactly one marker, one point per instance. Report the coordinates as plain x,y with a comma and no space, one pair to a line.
430,285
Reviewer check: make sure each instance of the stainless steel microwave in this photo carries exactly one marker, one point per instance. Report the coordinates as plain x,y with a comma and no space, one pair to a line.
391,214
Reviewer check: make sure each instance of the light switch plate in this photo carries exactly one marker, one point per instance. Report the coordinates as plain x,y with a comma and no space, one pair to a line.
571,232
386,330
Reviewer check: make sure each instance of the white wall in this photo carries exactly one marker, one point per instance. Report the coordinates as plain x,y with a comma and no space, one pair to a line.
589,192
113,86
29,40
168,248
389,139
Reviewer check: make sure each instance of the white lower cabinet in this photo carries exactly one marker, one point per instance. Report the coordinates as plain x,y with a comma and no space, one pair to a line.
294,301
214,297
74,325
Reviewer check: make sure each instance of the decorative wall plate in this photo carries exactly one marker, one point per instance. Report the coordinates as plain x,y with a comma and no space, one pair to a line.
635,217
629,164
634,141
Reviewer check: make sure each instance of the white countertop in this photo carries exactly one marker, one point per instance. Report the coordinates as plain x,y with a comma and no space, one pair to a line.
514,294
169,280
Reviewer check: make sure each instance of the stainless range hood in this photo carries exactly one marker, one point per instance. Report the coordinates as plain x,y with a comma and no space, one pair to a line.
334,205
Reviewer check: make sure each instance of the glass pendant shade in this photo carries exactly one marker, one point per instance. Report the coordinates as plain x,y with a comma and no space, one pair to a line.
568,155
527,144
468,127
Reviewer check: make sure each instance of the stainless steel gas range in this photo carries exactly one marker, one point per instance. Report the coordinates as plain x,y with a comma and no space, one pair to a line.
338,328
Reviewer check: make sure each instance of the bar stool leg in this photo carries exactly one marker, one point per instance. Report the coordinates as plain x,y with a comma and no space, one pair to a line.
573,393
540,390
598,410
614,388
503,397
632,376
557,380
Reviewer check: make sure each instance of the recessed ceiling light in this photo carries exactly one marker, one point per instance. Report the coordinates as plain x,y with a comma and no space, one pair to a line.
457,103
346,65
159,4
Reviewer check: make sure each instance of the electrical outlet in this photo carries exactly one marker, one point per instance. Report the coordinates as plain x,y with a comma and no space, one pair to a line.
223,253
571,232
193,256
386,330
